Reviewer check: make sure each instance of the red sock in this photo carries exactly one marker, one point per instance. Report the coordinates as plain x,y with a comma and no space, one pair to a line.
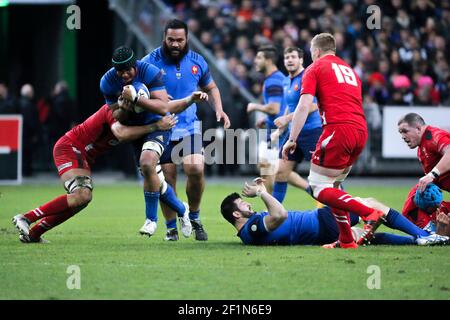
343,222
50,222
341,200
53,207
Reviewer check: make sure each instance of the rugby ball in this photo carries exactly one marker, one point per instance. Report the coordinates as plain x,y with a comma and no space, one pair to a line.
141,91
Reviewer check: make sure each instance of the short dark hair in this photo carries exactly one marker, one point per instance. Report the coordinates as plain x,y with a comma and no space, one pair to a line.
270,52
176,24
228,206
292,49
412,119
123,58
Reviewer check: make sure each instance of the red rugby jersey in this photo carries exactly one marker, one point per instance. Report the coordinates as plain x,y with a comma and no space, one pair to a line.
338,90
94,135
430,150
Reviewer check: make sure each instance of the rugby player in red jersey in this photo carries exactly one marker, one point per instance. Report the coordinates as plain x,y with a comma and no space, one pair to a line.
433,151
73,155
339,94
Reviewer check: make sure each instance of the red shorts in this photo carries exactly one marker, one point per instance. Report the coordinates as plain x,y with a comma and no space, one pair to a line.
67,156
339,146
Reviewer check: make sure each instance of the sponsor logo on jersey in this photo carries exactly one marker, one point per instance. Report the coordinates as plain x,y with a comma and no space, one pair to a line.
194,70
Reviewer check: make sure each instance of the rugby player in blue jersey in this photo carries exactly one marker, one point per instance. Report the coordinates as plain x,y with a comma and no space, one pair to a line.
273,106
277,226
307,140
118,86
184,71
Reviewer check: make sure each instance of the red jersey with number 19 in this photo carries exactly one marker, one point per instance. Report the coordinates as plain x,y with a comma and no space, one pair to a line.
338,90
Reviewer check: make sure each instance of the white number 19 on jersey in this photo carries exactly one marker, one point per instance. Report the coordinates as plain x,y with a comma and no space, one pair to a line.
344,74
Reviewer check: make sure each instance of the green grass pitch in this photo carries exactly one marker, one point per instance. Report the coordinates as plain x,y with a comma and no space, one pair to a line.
117,263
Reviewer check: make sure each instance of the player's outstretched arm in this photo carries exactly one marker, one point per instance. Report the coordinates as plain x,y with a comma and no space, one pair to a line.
128,133
277,213
271,108
179,105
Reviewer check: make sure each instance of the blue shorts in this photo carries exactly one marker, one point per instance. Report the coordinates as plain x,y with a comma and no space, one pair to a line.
328,228
161,137
306,144
192,144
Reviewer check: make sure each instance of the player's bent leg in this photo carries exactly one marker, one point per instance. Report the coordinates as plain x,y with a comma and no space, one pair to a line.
320,179
169,198
169,171
148,162
322,182
151,152
78,185
193,166
297,181
281,179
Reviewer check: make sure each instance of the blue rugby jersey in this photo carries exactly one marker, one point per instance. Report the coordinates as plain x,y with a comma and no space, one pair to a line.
300,227
111,86
180,80
273,92
292,87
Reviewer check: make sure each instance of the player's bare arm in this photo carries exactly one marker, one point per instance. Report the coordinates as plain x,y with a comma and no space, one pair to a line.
128,133
216,102
177,106
272,108
298,121
441,167
283,121
277,213
158,102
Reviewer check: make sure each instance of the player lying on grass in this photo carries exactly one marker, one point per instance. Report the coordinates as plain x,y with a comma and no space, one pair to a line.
73,155
310,227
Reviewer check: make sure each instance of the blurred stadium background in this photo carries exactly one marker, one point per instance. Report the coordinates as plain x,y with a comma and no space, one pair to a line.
404,64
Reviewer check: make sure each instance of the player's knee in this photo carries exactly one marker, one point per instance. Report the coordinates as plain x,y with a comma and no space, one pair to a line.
282,174
194,170
82,197
148,163
171,179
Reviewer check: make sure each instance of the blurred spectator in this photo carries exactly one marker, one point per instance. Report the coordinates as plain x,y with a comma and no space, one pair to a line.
413,39
402,95
63,114
426,94
7,105
377,89
246,10
373,113
31,128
